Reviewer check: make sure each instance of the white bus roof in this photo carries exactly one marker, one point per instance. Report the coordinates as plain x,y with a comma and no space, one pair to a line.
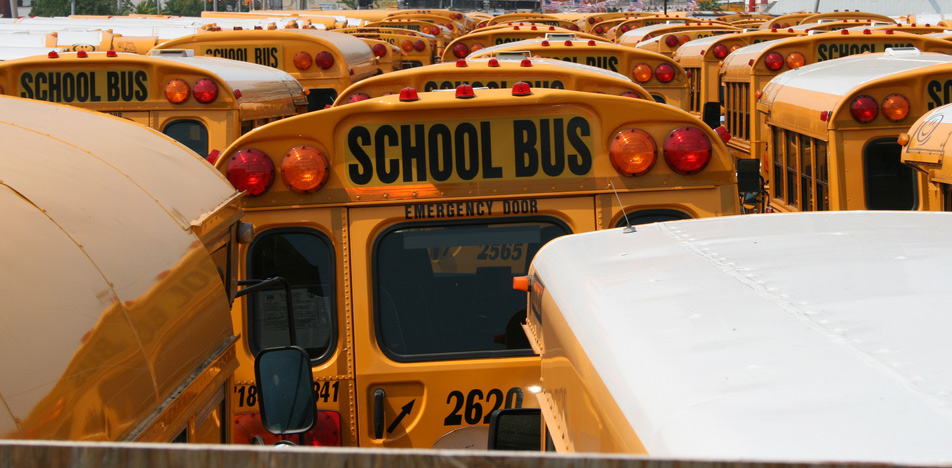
795,337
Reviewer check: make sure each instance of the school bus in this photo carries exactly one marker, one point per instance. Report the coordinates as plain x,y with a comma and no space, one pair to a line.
473,42
464,19
588,22
440,34
119,271
659,75
703,58
389,56
399,219
725,339
924,147
205,103
669,43
522,17
640,27
832,131
497,73
418,49
323,62
747,70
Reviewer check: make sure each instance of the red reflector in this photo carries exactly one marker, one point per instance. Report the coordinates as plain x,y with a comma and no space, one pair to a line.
723,133
824,115
358,97
205,91
250,170
465,91
237,94
213,156
324,60
409,95
687,150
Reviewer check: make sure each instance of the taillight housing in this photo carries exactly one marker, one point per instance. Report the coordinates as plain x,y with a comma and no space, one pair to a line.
670,40
324,60
864,109
250,170
599,30
304,169
380,50
687,150
720,51
460,50
773,61
177,91
302,60
642,73
895,107
633,152
205,91
795,60
419,45
664,73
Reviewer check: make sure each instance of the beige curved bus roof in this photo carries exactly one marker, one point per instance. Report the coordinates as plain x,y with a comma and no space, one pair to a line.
100,215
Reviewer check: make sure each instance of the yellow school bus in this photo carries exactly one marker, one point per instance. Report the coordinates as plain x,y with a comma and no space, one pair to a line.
659,75
703,58
747,70
455,28
399,220
498,35
588,22
725,339
465,19
832,128
669,43
418,49
521,17
496,73
323,62
642,26
205,103
118,276
389,56
440,34
925,147
845,15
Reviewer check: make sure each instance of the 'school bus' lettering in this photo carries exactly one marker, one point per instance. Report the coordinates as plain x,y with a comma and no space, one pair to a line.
85,86
267,56
843,49
608,63
431,85
461,150
940,93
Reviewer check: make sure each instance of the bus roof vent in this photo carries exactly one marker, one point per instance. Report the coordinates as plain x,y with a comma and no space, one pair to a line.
172,52
902,51
512,55
560,36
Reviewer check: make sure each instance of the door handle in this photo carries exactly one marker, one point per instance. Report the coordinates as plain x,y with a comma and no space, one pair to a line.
379,395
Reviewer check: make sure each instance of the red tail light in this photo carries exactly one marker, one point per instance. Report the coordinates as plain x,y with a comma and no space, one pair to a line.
864,109
720,51
250,170
324,60
687,150
379,50
460,50
358,97
664,73
419,46
205,91
773,61
670,40
599,29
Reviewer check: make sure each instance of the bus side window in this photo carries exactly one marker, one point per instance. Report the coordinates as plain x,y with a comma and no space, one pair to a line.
247,126
822,178
792,168
890,184
778,162
305,258
190,133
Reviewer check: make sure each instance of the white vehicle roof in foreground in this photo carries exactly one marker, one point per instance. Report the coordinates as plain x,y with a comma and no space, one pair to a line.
795,337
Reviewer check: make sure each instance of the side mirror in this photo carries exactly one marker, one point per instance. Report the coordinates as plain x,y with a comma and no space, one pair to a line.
748,176
284,390
515,429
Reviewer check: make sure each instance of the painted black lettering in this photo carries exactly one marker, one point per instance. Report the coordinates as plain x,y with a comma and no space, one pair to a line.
141,85
525,155
489,171
386,136
467,162
362,172
26,86
581,162
413,152
441,152
69,87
